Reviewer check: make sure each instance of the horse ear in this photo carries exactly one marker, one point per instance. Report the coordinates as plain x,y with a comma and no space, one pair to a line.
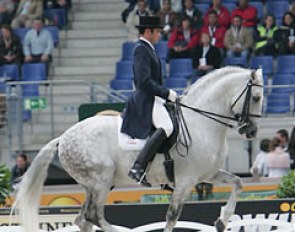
253,75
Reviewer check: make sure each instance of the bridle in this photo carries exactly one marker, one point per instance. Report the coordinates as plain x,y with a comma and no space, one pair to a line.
243,118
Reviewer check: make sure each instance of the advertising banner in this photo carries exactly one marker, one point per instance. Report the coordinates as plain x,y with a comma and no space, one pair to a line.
250,216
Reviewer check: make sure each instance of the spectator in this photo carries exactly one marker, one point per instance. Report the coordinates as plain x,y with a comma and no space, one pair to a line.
133,19
26,12
215,32
238,39
10,47
154,6
278,161
265,44
206,56
291,148
259,167
283,137
38,44
126,12
19,168
223,14
182,40
6,11
193,13
168,18
176,5
285,36
57,4
248,14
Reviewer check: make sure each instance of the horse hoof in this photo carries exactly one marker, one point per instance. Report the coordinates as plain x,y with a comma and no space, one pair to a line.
219,225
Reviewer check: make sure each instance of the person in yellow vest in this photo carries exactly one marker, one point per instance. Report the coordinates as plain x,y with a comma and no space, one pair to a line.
265,44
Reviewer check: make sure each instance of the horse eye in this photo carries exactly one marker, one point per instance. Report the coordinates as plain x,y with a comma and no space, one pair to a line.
256,98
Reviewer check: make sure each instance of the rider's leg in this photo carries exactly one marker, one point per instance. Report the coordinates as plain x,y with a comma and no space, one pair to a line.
162,122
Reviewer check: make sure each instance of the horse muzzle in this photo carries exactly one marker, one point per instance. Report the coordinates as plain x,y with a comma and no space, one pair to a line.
248,129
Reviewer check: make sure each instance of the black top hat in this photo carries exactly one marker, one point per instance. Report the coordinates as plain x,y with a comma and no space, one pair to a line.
149,22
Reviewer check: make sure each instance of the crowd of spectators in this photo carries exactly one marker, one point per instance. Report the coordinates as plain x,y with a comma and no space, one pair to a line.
277,155
236,33
36,45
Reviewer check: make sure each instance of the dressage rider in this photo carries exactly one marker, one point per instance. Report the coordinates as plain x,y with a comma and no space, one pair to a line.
145,108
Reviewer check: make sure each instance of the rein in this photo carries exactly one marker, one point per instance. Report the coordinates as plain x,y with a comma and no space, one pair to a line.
242,118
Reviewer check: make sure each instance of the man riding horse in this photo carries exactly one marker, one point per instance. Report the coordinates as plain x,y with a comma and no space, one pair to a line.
145,108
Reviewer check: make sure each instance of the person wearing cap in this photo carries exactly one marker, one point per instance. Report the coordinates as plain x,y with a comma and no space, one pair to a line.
145,108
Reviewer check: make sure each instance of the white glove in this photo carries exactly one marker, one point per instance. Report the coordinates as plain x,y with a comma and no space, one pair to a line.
172,96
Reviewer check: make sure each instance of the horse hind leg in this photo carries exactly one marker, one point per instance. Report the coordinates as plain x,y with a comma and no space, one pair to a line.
95,211
80,220
228,210
179,196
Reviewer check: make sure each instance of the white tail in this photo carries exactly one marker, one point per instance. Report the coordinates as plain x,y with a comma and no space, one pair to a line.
27,198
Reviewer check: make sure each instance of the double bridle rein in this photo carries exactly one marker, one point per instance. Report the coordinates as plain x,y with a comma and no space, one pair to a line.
243,118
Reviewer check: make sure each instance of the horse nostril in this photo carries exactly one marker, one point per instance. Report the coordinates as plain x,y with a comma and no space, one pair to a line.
256,98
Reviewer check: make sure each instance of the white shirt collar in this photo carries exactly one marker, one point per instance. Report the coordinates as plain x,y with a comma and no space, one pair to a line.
148,42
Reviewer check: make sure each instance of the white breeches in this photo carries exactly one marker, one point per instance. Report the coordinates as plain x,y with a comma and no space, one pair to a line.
161,118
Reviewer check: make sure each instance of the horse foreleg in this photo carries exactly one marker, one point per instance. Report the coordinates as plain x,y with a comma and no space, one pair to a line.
179,196
228,210
80,220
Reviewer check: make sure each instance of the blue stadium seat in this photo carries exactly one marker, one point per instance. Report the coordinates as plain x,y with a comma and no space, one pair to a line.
21,32
230,6
162,49
121,84
203,1
230,1
286,64
182,68
264,62
56,14
34,72
278,102
55,34
11,71
277,8
124,70
164,68
259,8
236,61
127,50
265,80
176,83
203,7
283,79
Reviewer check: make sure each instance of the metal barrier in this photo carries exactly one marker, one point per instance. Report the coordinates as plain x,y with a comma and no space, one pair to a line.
38,111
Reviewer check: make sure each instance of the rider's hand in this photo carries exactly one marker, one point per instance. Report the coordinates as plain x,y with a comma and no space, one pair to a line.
172,96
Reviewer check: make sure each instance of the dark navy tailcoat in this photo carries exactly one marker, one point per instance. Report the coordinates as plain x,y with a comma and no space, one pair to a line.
137,116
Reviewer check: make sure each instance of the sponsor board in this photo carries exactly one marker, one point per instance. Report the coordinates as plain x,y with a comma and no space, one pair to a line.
250,216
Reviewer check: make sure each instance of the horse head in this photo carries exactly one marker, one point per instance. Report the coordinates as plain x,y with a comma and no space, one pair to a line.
247,105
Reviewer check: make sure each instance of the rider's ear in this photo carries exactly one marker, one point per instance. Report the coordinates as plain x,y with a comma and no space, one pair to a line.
253,75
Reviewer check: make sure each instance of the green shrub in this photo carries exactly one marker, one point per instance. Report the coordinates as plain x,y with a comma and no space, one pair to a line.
287,186
5,186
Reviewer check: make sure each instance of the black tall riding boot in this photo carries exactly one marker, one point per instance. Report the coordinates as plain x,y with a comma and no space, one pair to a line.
146,155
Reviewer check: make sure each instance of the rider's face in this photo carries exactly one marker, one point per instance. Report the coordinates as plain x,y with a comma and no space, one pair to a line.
155,35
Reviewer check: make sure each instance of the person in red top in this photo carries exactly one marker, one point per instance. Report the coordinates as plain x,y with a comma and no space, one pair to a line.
182,40
215,32
222,14
248,14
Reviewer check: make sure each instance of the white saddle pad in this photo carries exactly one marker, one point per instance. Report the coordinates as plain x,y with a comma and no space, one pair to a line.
126,142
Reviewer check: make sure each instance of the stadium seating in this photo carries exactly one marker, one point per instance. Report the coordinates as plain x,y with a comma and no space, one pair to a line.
58,16
21,32
181,68
176,83
283,79
259,8
34,72
277,8
236,61
264,62
124,70
203,7
278,102
55,34
162,49
127,51
230,6
286,64
121,84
